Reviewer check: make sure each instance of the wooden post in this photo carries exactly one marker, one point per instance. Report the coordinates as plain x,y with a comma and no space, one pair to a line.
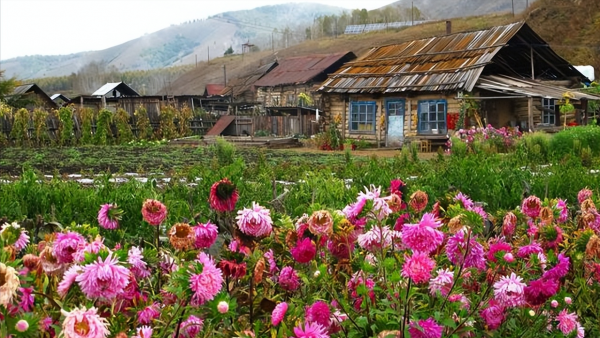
344,123
103,102
584,103
532,64
530,114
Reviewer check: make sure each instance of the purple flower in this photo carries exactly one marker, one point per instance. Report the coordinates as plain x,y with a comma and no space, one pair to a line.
427,328
66,244
457,247
288,279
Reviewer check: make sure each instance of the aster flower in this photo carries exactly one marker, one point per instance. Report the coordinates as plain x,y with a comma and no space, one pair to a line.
84,323
143,332
319,313
418,201
567,322
304,251
10,285
561,205
288,279
66,244
423,237
269,255
442,282
208,283
340,247
206,235
377,238
311,330
583,195
509,224
154,212
526,250
540,290
148,314
223,196
191,327
509,291
94,247
427,328
278,313
182,236
320,223
531,206
109,216
13,230
137,266
26,299
396,186
466,202
68,279
498,247
103,279
457,246
493,315
232,269
255,221
418,267
559,270
580,331
351,211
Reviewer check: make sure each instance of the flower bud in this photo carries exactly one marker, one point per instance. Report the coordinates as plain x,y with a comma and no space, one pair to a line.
223,307
568,300
554,303
22,325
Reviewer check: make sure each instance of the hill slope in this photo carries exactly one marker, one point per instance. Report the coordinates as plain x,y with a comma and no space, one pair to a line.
446,9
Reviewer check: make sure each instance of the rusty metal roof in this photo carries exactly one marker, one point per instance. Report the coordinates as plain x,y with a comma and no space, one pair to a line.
513,86
442,63
212,89
246,82
303,69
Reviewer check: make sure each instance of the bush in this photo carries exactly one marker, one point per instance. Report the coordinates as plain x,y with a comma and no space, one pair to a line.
535,147
565,141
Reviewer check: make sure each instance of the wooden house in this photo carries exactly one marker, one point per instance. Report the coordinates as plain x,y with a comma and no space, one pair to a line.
416,88
241,91
32,96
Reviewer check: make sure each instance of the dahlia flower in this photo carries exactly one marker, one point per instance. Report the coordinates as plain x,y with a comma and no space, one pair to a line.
191,327
68,279
143,332
256,221
427,328
526,250
288,279
206,235
304,251
84,323
10,285
319,313
208,283
109,216
442,282
103,279
509,291
154,212
311,330
418,267
49,262
532,206
583,195
137,266
456,247
466,202
182,236
493,315
418,201
278,313
320,223
94,247
423,237
396,186
26,299
351,211
66,244
567,322
148,314
223,196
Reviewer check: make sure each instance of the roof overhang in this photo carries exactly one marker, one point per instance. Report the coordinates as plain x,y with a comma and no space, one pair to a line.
530,88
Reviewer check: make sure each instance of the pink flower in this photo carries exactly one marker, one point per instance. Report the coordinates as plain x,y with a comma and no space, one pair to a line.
22,325
191,327
103,279
223,196
580,331
568,300
567,322
466,202
206,235
377,238
509,224
14,230
84,323
559,270
442,283
27,299
319,313
418,267
93,247
143,332
531,206
427,328
304,251
208,283
498,247
271,260
493,315
223,307
356,281
256,221
457,246
288,279
138,266
528,250
396,186
66,245
354,209
154,212
509,291
68,280
423,237
540,290
278,313
320,223
311,330
148,314
554,303
561,205
108,216
583,195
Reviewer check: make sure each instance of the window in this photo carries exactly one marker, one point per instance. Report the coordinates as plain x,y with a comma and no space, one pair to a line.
549,111
395,107
432,115
362,116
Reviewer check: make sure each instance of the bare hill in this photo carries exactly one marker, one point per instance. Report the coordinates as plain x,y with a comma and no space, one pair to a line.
446,9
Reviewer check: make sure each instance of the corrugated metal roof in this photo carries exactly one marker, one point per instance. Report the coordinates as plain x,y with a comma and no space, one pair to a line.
245,83
440,63
514,86
303,69
121,87
22,89
213,89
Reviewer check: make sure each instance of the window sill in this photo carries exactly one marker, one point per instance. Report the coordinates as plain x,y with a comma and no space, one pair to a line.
362,132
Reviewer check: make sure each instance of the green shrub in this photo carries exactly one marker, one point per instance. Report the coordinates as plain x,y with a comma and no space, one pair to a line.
535,147
565,141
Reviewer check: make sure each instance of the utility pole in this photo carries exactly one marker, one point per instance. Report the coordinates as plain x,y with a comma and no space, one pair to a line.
225,76
513,7
412,13
207,54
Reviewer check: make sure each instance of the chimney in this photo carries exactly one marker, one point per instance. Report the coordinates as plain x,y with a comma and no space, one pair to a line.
448,27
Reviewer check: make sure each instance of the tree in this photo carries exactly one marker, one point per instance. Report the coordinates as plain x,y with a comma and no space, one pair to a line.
229,51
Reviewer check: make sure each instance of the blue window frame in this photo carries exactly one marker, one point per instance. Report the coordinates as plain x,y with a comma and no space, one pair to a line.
432,115
362,116
395,107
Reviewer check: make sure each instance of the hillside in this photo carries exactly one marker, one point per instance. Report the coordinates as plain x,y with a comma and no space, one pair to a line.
433,9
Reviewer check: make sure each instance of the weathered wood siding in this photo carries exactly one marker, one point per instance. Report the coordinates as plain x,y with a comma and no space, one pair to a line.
286,96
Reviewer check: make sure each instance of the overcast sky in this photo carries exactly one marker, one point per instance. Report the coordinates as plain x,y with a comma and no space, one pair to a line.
51,27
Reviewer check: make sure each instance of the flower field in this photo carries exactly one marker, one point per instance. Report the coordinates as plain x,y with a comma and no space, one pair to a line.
466,245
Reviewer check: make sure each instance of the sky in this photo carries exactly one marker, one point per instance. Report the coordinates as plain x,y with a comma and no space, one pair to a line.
57,27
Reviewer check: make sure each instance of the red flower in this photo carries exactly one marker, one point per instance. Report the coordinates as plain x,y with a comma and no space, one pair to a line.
223,196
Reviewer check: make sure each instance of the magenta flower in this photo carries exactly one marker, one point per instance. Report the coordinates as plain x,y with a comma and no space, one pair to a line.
442,282
427,328
148,314
278,313
493,315
540,290
304,251
143,332
509,291
191,327
206,235
396,186
84,323
270,256
108,216
502,247
377,238
526,250
354,209
559,270
68,279
583,195
423,237
466,202
256,221
26,299
138,266
456,247
311,330
14,230
66,244
531,206
319,313
567,322
208,283
340,247
561,205
223,196
509,224
154,212
103,279
93,247
418,267
288,279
